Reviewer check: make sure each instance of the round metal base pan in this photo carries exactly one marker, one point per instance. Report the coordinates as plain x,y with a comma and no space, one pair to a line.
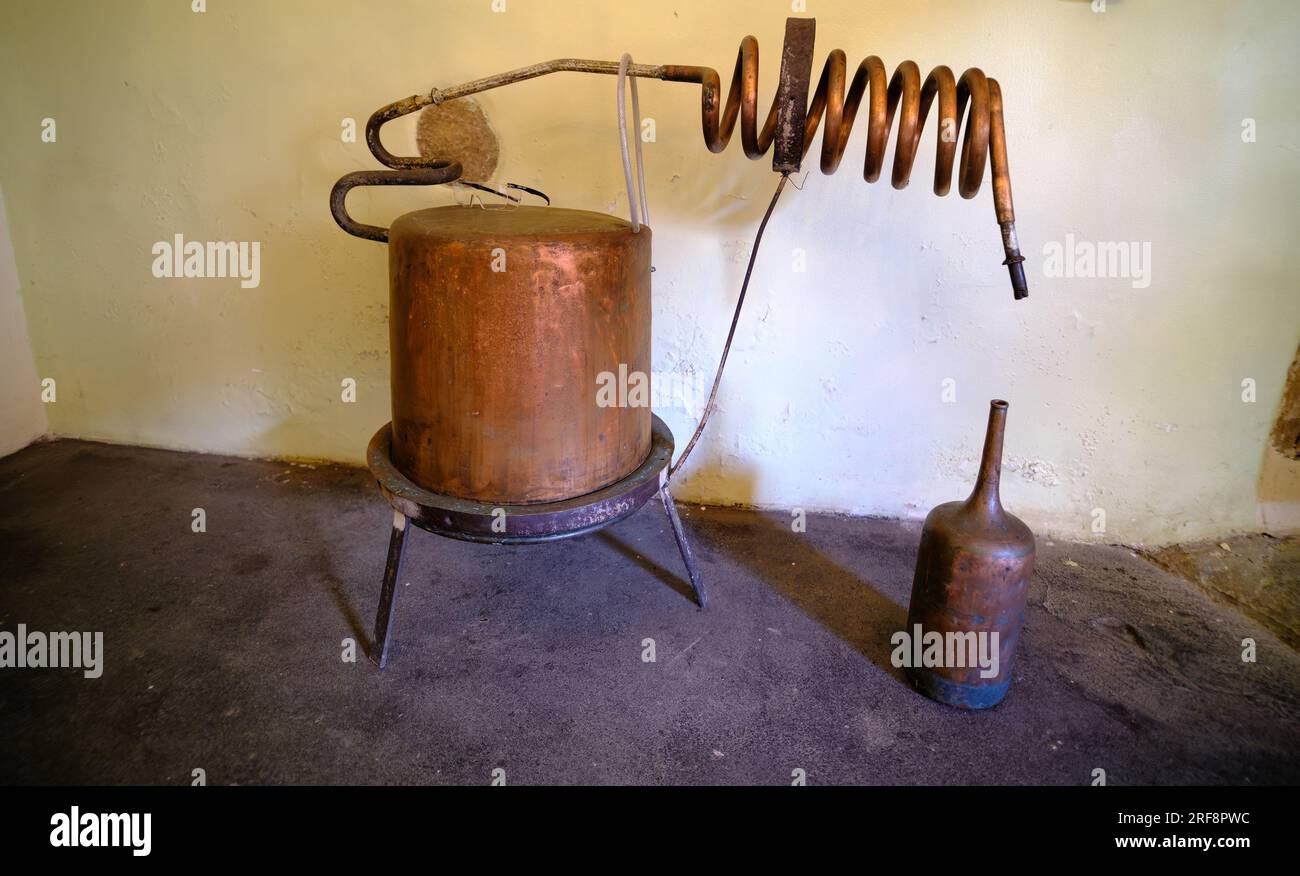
469,520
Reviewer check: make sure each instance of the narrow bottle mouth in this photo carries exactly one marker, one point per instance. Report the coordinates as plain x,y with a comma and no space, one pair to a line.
999,404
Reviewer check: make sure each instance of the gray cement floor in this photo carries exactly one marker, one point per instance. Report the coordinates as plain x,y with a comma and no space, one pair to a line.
223,649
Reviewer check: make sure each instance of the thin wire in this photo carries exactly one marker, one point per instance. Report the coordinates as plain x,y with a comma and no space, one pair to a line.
726,348
644,208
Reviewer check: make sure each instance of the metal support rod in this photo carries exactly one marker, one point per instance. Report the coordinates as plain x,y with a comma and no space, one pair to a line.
388,596
683,545
560,65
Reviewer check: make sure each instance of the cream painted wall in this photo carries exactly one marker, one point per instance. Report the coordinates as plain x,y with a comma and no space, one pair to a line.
22,416
1123,126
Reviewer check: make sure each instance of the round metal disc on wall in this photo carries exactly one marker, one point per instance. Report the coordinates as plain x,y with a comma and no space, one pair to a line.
459,130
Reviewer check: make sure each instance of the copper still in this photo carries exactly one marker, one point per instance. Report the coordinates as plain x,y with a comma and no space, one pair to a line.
504,321
972,577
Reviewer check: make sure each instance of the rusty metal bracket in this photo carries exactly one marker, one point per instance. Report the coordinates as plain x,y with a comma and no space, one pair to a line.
436,173
792,94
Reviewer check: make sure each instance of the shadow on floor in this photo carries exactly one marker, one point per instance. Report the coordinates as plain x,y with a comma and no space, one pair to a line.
676,582
855,609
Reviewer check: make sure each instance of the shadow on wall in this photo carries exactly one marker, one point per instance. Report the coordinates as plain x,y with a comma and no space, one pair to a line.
346,296
714,471
1279,479
22,415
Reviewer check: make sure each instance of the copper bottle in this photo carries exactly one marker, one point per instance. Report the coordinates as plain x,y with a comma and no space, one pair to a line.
972,576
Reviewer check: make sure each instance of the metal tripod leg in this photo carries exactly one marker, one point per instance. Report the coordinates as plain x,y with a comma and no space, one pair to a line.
680,534
388,596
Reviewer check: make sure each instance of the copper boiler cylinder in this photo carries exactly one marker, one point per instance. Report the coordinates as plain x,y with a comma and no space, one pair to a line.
502,323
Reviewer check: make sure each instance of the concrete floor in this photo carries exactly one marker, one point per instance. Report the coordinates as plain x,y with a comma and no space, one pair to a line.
223,648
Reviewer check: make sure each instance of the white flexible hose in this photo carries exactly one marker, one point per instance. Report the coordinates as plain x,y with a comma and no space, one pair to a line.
644,208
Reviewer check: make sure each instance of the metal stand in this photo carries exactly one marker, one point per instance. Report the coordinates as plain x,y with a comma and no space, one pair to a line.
388,595
683,545
469,520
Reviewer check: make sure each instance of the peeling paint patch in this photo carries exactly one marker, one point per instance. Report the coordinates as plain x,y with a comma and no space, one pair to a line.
1036,471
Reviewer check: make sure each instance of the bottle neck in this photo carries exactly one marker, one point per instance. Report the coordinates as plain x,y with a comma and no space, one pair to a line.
986,494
